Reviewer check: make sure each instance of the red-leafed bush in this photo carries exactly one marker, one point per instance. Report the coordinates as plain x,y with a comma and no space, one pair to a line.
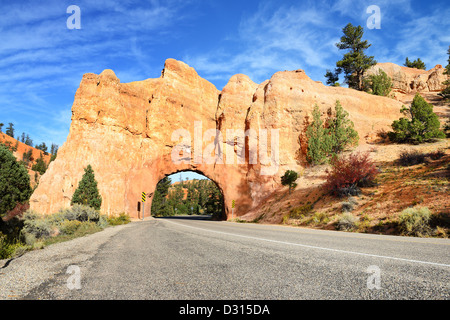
18,210
349,173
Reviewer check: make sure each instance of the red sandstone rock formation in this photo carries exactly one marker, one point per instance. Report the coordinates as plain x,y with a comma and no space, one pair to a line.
408,81
128,132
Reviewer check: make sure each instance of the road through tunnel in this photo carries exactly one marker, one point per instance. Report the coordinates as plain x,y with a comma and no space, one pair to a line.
188,193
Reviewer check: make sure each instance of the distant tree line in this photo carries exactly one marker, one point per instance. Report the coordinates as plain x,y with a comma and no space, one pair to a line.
187,197
39,164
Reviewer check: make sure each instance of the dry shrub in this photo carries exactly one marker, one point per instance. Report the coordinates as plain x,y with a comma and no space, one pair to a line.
415,221
297,212
435,155
411,158
69,226
347,222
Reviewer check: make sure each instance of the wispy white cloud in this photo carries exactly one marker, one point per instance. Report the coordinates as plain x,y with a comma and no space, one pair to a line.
57,133
357,9
42,62
272,39
426,37
303,35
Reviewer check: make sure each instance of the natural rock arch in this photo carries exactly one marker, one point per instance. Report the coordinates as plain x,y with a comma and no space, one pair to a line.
148,182
127,133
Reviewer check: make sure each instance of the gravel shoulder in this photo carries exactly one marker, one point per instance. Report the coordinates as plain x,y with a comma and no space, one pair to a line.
20,275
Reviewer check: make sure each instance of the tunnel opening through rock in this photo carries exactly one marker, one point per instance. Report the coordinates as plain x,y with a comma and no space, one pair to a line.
188,193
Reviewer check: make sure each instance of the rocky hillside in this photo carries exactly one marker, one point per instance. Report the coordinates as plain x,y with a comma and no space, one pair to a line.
406,82
19,149
377,209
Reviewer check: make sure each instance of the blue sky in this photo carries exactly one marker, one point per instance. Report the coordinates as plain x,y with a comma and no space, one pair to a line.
190,175
42,61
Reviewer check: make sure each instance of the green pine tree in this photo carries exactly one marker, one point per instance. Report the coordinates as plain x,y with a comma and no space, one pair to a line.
332,137
10,129
341,130
421,124
355,62
319,144
160,205
202,192
175,198
418,64
157,204
14,182
445,93
379,84
87,192
214,204
54,152
332,78
42,147
27,157
289,178
40,166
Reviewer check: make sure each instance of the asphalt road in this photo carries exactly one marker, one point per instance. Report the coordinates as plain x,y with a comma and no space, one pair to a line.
182,258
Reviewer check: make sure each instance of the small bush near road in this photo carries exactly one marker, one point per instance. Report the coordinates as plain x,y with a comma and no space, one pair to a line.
347,222
349,205
415,222
300,211
36,225
320,218
122,218
38,231
66,224
69,227
85,213
7,247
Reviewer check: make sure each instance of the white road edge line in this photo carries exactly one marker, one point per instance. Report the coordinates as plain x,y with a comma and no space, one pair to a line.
312,247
